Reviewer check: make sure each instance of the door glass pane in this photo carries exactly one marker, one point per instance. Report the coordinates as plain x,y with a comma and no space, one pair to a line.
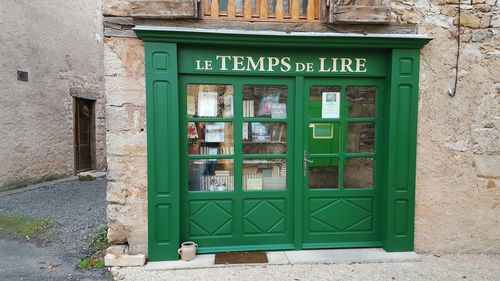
324,102
210,100
264,174
210,138
358,173
361,101
360,137
211,175
264,138
265,101
324,173
324,138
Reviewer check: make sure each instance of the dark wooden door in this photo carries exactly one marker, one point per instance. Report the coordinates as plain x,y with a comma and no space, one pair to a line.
84,132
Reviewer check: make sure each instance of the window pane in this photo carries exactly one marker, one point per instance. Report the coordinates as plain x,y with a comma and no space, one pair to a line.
361,137
210,100
265,101
211,175
324,102
264,138
358,173
361,101
264,174
210,138
324,173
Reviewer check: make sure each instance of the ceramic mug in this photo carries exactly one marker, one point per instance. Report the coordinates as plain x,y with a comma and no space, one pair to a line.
187,251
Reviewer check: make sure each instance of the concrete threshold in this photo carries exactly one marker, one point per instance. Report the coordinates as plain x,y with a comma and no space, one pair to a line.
365,255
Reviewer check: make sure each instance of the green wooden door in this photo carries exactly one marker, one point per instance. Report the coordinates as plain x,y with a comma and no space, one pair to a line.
237,150
341,137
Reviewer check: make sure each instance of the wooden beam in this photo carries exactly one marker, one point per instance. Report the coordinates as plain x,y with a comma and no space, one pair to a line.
279,9
295,10
247,9
264,9
231,9
214,9
310,10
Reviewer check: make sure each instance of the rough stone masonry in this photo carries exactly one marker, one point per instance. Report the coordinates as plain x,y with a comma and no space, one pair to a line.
59,45
458,159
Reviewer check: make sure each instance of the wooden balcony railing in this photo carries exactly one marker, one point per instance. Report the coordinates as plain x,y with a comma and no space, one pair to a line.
262,10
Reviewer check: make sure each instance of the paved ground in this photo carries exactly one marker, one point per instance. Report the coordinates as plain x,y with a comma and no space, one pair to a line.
78,208
445,268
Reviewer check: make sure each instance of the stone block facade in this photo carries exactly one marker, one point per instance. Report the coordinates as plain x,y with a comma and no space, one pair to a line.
458,158
62,53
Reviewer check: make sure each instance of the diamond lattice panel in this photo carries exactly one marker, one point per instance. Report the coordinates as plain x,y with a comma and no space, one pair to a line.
340,215
264,216
211,218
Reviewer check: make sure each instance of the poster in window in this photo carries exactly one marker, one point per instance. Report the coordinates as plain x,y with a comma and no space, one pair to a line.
214,132
267,102
207,104
330,106
278,110
192,131
260,133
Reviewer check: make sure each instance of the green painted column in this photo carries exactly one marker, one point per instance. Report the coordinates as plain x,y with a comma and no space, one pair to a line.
163,150
402,140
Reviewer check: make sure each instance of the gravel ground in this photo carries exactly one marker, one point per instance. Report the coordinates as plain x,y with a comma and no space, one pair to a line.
77,208
445,268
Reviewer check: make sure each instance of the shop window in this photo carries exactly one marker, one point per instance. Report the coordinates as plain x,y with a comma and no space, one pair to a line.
358,173
361,137
361,101
210,138
264,174
265,102
264,138
210,100
211,175
324,173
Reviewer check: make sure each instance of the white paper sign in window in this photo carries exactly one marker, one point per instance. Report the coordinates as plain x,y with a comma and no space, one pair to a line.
330,106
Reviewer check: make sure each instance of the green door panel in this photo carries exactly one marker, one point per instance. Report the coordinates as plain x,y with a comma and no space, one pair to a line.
335,215
238,219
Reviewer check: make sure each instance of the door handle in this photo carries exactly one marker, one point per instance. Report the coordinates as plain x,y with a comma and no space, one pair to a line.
305,162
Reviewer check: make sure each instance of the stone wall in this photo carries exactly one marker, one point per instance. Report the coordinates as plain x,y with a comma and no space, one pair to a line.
126,139
458,158
458,169
59,44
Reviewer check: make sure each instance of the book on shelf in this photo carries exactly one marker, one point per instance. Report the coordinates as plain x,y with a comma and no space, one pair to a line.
216,183
228,106
192,131
248,108
245,131
260,133
278,110
266,103
222,150
214,132
207,104
273,183
254,184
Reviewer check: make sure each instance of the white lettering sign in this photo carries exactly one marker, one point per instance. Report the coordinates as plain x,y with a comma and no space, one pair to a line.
281,64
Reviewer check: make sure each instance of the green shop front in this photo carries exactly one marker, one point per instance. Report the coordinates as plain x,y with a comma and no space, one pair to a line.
276,141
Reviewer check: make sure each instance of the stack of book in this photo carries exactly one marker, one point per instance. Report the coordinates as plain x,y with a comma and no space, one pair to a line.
222,181
224,150
248,108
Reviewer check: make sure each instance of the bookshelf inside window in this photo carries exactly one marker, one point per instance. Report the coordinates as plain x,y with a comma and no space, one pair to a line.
248,140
